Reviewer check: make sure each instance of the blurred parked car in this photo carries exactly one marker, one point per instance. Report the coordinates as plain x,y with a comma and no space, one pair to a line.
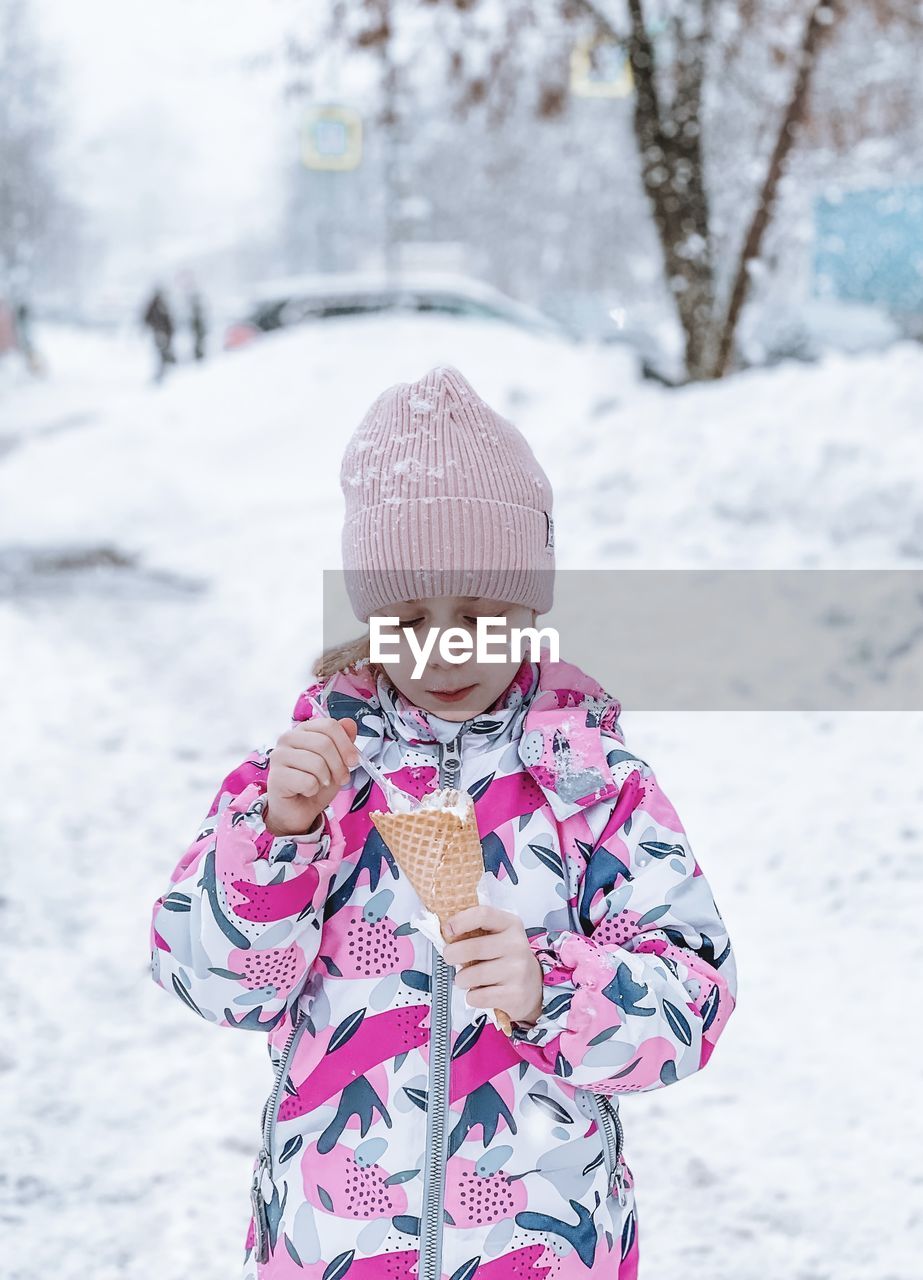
278,304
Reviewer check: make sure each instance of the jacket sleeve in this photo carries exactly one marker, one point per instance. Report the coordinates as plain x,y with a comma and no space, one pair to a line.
237,930
637,995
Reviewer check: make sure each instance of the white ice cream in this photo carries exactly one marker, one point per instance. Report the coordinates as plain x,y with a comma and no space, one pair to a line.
400,802
448,800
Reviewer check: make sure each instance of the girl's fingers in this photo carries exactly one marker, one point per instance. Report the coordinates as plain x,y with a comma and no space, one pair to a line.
326,737
493,919
322,730
485,973
495,997
302,761
343,735
323,750
329,752
302,765
491,947
296,782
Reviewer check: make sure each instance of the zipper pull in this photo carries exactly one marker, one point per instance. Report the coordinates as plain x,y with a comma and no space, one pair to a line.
618,1180
450,762
266,1183
260,1218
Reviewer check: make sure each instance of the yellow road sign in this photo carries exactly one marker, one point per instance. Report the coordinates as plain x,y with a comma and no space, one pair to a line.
599,68
332,137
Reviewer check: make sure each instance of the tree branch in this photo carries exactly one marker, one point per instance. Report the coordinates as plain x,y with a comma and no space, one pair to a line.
605,25
820,23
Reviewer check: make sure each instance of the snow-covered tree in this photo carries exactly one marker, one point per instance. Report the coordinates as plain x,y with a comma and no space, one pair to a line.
687,171
30,203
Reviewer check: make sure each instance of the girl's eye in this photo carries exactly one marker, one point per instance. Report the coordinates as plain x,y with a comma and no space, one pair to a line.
415,622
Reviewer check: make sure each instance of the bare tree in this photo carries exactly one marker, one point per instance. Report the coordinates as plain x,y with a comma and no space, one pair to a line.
669,127
820,21
721,97
28,194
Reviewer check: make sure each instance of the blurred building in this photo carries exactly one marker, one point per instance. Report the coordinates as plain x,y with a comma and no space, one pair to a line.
868,247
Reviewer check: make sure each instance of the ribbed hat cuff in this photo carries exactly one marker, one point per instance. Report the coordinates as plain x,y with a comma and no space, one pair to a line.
417,548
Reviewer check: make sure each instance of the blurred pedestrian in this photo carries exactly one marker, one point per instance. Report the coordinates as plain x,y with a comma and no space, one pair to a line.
197,324
23,327
158,319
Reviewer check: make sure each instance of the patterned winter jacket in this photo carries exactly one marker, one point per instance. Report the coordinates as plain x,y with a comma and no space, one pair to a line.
405,1136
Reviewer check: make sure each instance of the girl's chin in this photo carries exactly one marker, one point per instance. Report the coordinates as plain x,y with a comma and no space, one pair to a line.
451,710
457,716
462,708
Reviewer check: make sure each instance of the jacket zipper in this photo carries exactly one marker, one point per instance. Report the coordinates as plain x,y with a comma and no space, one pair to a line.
437,1116
613,1143
431,1232
264,1169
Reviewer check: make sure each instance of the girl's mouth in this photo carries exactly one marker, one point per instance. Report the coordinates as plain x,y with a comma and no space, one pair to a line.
452,695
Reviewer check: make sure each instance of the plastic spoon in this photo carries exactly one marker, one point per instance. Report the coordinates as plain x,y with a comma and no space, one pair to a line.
391,791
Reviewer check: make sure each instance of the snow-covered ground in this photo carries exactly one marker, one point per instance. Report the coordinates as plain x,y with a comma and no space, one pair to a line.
161,551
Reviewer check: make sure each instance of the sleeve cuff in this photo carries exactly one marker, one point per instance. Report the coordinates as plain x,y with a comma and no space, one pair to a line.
314,835
555,999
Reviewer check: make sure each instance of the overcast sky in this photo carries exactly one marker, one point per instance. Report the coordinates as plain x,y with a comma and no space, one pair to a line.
167,137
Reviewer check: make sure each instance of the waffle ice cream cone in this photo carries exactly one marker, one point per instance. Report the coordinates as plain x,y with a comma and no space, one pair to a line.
438,848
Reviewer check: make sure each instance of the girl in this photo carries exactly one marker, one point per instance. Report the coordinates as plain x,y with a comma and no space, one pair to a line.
405,1135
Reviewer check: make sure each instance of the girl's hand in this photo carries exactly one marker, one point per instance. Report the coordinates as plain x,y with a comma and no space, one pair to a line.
307,767
501,971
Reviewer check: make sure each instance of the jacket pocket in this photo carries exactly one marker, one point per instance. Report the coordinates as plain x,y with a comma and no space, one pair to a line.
613,1139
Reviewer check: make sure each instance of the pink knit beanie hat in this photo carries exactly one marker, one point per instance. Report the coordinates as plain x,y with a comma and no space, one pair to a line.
443,497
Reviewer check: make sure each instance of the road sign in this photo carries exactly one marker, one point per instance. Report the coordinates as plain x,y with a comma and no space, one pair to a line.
599,68
332,137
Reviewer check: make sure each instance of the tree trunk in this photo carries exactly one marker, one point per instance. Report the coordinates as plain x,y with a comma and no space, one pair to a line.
672,171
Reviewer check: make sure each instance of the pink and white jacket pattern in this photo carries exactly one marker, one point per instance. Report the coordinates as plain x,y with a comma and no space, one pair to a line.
404,1135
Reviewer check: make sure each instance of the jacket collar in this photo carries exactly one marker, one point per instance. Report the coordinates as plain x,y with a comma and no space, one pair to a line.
554,711
501,721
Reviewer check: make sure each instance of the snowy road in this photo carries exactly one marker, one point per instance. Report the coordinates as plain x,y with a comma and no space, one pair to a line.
130,1125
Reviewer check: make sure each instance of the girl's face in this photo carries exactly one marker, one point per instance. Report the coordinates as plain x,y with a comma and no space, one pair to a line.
473,685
